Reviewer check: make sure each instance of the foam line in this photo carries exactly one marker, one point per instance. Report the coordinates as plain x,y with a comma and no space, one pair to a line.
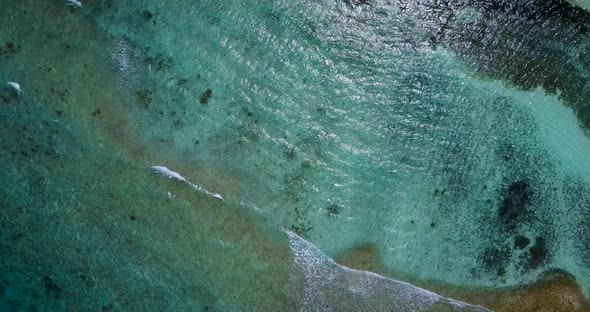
164,171
330,286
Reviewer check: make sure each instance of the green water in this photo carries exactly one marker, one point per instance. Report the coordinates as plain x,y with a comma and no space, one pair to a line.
459,152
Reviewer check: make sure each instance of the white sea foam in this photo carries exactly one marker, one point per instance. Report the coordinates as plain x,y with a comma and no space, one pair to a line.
168,173
164,171
74,3
331,287
15,86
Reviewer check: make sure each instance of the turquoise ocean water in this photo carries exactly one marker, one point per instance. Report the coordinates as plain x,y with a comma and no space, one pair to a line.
452,136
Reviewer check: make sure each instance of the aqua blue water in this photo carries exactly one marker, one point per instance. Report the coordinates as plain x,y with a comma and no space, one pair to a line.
451,136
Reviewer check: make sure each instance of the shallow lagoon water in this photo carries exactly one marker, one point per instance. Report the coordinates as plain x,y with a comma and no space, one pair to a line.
339,123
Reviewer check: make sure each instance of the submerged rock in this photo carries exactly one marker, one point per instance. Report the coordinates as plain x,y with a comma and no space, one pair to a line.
515,201
205,96
521,242
538,254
